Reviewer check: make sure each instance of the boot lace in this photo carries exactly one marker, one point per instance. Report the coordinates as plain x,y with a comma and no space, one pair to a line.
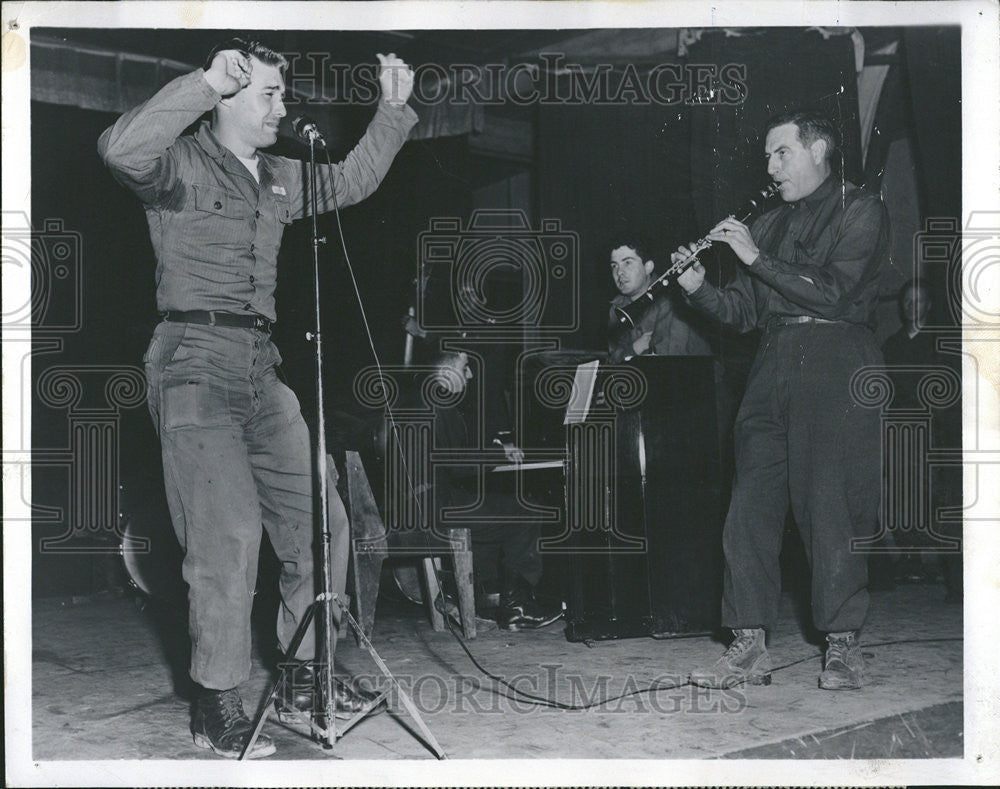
743,643
838,646
230,711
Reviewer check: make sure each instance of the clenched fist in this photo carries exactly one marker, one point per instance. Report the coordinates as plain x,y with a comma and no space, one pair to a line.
396,79
229,72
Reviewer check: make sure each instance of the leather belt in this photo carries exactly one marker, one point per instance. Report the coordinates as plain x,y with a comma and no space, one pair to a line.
791,320
213,318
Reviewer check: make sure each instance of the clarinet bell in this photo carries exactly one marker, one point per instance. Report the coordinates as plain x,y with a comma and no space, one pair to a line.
624,319
630,314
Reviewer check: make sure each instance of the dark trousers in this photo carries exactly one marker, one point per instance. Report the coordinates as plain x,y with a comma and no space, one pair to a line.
801,440
236,458
502,551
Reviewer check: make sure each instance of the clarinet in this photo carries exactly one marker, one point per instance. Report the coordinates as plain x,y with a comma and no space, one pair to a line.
630,313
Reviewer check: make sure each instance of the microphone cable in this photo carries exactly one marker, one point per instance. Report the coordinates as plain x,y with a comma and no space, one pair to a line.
524,697
371,341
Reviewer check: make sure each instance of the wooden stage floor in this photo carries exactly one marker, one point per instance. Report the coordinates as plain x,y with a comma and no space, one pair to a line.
109,683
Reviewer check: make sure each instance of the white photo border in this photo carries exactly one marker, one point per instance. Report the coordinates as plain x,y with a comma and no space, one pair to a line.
981,186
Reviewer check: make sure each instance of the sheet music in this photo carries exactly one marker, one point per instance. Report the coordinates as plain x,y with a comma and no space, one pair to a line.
583,392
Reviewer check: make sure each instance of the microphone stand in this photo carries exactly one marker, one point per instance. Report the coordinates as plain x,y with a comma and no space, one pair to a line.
326,730
321,609
321,469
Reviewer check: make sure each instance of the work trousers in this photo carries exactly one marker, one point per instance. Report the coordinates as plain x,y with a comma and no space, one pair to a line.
801,439
504,551
506,547
236,456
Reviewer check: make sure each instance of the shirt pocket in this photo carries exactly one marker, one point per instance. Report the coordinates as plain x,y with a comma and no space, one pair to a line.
216,200
283,210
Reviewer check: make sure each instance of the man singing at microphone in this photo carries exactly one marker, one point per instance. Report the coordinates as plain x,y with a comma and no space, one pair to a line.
236,450
810,284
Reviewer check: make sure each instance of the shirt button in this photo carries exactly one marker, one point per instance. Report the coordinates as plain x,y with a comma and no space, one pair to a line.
217,205
257,214
252,280
252,247
247,307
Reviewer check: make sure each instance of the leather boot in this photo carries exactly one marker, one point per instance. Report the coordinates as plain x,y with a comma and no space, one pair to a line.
220,724
350,699
843,665
520,609
746,660
299,694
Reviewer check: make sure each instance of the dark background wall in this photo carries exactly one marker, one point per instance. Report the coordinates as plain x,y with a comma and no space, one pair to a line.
671,172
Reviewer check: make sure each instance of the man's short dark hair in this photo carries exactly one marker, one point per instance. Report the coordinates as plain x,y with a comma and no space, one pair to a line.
251,48
812,125
634,241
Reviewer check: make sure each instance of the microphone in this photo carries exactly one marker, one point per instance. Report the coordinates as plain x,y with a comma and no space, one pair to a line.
305,127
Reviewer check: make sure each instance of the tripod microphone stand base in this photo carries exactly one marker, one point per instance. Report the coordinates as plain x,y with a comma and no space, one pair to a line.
312,724
321,723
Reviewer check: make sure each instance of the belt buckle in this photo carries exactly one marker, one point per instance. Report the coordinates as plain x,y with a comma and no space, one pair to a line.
259,323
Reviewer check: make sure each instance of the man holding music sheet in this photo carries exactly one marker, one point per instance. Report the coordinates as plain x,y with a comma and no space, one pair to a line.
809,283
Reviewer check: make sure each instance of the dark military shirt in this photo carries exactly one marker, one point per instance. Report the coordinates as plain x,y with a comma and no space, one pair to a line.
821,256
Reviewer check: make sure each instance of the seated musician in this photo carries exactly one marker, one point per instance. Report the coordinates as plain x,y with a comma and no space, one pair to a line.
505,555
666,327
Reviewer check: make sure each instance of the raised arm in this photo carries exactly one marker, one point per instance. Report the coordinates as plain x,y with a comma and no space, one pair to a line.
353,179
137,147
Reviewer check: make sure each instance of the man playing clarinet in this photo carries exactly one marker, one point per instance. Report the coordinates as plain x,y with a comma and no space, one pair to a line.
809,282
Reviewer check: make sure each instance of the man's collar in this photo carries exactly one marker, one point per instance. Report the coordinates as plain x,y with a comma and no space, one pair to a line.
210,142
620,299
206,139
823,191
213,147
